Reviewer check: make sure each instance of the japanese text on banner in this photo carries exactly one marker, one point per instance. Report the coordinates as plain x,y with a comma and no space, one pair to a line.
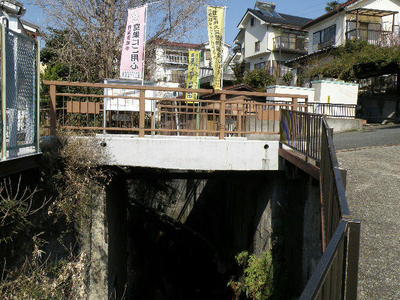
216,28
193,77
132,59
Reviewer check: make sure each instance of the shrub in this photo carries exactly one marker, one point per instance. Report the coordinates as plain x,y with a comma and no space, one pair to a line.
287,78
257,278
259,79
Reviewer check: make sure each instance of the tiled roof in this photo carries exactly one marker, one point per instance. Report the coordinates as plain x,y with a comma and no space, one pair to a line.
284,20
331,13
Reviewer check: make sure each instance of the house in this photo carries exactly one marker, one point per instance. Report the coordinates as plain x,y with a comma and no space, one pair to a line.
373,21
268,38
169,63
206,70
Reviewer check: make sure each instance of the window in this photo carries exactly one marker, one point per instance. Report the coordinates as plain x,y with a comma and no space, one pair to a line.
252,21
260,65
257,46
325,36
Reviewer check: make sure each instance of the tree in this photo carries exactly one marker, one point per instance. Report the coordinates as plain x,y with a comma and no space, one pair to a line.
259,79
93,30
238,70
332,5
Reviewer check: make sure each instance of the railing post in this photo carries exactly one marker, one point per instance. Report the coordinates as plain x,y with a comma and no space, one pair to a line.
53,111
353,254
37,104
222,117
294,103
308,134
3,94
306,103
239,122
153,123
142,112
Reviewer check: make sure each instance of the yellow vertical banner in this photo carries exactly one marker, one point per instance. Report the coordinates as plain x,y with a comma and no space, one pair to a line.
216,26
192,81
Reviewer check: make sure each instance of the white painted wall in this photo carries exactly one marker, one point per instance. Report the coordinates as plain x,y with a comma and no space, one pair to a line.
291,90
338,19
225,54
253,34
191,153
337,91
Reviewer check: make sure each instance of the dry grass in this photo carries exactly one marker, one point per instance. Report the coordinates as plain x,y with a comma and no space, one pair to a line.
73,176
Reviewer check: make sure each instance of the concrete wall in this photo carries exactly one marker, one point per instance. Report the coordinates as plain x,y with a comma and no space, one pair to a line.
228,212
283,89
191,153
339,125
335,91
377,108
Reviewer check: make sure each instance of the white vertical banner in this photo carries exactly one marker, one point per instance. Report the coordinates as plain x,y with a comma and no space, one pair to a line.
133,49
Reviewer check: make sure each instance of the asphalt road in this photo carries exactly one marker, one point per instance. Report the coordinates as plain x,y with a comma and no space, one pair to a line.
373,191
367,137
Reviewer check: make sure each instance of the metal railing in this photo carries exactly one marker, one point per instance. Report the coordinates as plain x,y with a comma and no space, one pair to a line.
336,275
334,110
344,111
323,45
373,37
299,44
302,132
176,59
19,95
150,110
205,71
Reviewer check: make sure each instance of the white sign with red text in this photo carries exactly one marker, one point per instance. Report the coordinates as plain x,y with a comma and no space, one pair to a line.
133,49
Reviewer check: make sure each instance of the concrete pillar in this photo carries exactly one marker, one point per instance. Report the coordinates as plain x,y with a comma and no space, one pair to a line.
98,249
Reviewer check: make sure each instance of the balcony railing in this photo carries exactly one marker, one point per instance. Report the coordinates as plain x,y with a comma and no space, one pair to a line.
286,43
373,37
205,72
176,59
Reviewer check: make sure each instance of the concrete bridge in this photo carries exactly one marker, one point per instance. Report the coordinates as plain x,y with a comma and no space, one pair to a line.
157,128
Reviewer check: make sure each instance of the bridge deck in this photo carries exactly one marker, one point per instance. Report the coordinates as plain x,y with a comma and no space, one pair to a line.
191,153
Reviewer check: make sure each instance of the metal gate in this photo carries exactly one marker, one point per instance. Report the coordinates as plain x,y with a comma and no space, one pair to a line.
19,94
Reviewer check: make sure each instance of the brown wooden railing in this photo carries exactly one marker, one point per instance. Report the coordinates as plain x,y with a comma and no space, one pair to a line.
151,110
336,275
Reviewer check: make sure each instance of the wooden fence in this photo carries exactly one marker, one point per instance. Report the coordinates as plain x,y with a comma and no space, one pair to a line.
336,275
151,110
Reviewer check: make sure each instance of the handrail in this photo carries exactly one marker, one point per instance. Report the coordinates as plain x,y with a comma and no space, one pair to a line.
336,275
169,89
145,110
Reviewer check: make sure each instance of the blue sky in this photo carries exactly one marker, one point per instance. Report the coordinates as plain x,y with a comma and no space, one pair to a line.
236,10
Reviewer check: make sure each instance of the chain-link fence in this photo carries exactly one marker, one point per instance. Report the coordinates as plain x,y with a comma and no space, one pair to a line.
20,106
